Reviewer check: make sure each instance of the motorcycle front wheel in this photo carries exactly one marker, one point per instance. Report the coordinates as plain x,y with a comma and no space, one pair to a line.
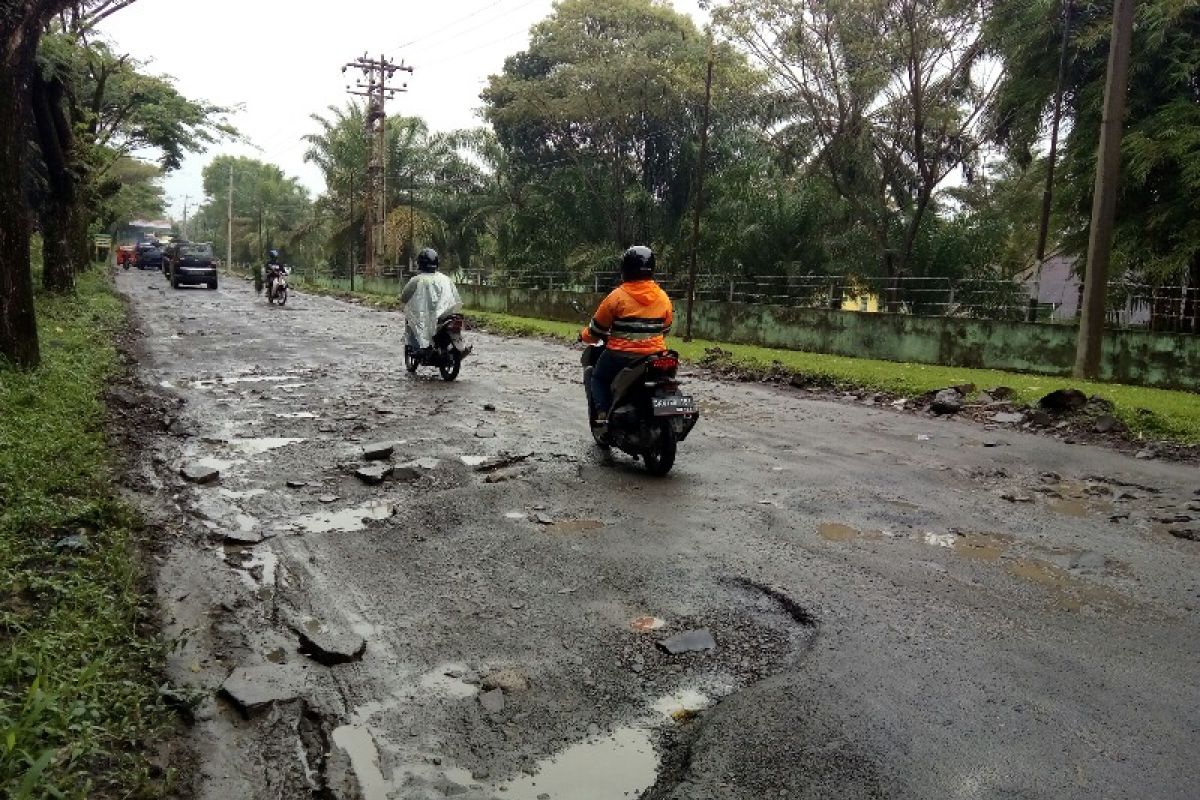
660,457
281,295
450,371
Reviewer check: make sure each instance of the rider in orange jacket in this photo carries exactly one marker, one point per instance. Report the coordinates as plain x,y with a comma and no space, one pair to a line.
632,321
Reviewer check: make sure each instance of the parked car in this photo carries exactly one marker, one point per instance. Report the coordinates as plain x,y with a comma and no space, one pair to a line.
192,263
148,255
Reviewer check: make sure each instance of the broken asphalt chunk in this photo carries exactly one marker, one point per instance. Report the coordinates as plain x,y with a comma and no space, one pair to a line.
254,688
197,473
378,451
493,701
508,681
329,648
947,401
1007,418
373,476
689,642
1064,400
243,538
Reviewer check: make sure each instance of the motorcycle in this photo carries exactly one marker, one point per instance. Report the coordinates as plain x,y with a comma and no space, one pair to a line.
649,415
447,352
277,287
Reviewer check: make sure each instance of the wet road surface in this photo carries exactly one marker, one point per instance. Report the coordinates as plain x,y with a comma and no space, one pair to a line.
886,624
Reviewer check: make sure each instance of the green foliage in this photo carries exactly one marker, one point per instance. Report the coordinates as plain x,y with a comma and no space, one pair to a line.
1157,231
270,211
78,700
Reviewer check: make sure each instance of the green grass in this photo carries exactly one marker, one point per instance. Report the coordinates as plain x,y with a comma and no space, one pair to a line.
1154,413
79,663
1157,414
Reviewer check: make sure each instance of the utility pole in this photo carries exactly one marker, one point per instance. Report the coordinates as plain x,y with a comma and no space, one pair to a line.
229,235
687,335
353,238
412,242
1051,162
1104,204
374,85
186,198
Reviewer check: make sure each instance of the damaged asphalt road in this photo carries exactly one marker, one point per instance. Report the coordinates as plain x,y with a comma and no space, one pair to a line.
500,613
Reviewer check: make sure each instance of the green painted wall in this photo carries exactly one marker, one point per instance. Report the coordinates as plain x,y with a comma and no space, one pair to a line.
1135,357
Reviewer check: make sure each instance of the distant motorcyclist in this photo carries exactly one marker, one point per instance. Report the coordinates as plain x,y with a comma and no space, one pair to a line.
427,297
632,322
272,270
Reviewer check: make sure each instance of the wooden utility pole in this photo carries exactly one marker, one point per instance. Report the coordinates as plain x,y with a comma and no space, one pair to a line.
1051,162
699,202
1104,204
376,73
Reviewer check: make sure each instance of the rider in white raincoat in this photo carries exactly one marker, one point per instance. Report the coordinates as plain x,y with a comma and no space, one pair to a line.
427,298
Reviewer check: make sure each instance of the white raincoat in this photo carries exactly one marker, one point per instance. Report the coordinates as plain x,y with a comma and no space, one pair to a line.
427,298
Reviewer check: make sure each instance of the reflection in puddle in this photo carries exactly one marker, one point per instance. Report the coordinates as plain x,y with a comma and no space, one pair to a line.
1069,593
939,539
621,765
437,680
226,381
246,495
1068,507
222,465
347,520
839,532
364,760
982,546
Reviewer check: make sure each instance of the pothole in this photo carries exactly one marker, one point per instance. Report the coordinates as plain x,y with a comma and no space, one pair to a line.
347,520
620,765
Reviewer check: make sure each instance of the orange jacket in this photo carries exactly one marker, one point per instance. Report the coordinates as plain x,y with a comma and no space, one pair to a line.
634,318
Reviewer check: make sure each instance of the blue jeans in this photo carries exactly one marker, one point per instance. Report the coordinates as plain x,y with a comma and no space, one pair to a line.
607,368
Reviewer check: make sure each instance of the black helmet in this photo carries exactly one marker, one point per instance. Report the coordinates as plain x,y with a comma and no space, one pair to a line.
637,264
272,256
427,260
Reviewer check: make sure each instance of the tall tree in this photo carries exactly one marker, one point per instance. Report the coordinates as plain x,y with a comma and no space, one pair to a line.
21,25
884,97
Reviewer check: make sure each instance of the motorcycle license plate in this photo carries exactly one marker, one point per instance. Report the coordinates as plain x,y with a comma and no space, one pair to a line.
674,406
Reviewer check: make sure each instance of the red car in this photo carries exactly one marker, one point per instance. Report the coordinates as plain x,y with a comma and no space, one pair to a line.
125,256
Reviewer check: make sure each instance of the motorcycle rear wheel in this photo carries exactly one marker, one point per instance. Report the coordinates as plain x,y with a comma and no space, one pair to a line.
411,362
661,457
450,371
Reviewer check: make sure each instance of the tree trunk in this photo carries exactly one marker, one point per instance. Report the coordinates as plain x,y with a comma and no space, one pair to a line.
18,324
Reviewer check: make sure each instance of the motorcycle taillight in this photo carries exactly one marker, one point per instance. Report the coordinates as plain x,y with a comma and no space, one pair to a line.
665,363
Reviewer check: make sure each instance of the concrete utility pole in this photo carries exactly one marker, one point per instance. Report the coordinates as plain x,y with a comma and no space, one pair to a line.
1104,204
374,86
186,198
687,335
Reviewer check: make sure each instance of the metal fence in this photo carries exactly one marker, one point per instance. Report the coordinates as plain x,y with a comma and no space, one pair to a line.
1131,305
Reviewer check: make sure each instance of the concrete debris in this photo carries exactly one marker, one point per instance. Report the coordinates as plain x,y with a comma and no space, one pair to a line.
373,476
1016,497
328,498
378,451
243,538
1008,418
1106,423
198,473
493,701
689,642
1001,393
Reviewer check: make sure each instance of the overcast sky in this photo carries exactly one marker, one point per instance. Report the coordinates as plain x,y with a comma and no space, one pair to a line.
280,61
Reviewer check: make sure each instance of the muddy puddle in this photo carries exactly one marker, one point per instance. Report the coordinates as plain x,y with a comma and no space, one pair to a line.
447,680
840,532
347,520
575,526
614,767
1066,591
254,447
359,745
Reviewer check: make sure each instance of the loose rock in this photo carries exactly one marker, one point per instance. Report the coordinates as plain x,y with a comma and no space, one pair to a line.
328,498
947,401
1001,393
1106,423
1064,400
689,642
1008,418
243,538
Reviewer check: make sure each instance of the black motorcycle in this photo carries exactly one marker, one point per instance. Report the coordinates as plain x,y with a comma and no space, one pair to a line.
447,352
649,415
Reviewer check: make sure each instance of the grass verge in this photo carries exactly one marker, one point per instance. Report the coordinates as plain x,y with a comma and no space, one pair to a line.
79,659
1154,413
1158,414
